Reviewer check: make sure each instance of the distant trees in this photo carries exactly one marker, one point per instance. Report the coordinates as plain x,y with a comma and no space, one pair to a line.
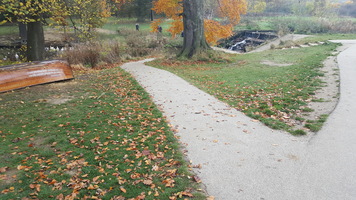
319,7
299,7
256,6
140,9
348,9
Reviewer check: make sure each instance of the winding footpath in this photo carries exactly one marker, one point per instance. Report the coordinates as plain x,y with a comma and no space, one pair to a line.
241,158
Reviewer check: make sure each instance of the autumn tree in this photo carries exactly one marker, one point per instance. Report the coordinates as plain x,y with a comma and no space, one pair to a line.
84,15
188,17
33,13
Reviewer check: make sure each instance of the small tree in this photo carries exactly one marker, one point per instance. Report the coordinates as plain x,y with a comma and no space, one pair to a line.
92,14
30,13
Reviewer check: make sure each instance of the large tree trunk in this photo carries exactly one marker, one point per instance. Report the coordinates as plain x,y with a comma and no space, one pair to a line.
193,20
35,41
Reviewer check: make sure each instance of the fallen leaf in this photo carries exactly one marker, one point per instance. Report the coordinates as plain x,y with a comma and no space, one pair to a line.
118,198
60,197
197,179
169,182
123,189
16,140
146,152
188,194
3,169
147,182
91,187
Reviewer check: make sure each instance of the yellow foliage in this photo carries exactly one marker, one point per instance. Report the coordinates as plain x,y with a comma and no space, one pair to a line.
176,27
169,7
155,24
214,31
232,9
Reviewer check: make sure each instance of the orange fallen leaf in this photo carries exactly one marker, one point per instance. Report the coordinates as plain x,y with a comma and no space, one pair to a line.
123,189
38,187
91,187
3,169
169,182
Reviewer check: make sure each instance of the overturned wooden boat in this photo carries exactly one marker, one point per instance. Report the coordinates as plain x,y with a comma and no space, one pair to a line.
34,73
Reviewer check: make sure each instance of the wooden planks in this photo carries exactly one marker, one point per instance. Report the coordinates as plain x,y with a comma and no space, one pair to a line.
35,73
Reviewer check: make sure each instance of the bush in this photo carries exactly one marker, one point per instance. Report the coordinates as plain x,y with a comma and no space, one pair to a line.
314,25
139,45
92,53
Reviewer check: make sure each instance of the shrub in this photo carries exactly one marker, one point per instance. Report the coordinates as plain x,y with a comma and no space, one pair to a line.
139,45
314,25
92,53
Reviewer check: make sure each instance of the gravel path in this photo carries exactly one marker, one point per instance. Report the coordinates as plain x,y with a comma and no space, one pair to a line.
243,159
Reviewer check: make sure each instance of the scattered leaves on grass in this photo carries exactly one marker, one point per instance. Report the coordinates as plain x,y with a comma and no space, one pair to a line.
276,96
108,142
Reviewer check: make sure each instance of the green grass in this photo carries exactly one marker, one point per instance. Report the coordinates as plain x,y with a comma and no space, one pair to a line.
8,30
115,24
271,94
316,125
326,37
108,141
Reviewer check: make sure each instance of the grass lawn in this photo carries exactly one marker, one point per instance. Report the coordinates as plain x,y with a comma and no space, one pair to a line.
8,30
277,96
128,25
109,141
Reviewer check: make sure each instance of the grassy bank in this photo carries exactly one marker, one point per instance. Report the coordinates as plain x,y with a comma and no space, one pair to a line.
96,137
276,95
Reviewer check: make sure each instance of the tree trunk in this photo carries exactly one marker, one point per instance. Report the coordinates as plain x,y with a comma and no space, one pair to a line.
23,33
35,41
193,20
